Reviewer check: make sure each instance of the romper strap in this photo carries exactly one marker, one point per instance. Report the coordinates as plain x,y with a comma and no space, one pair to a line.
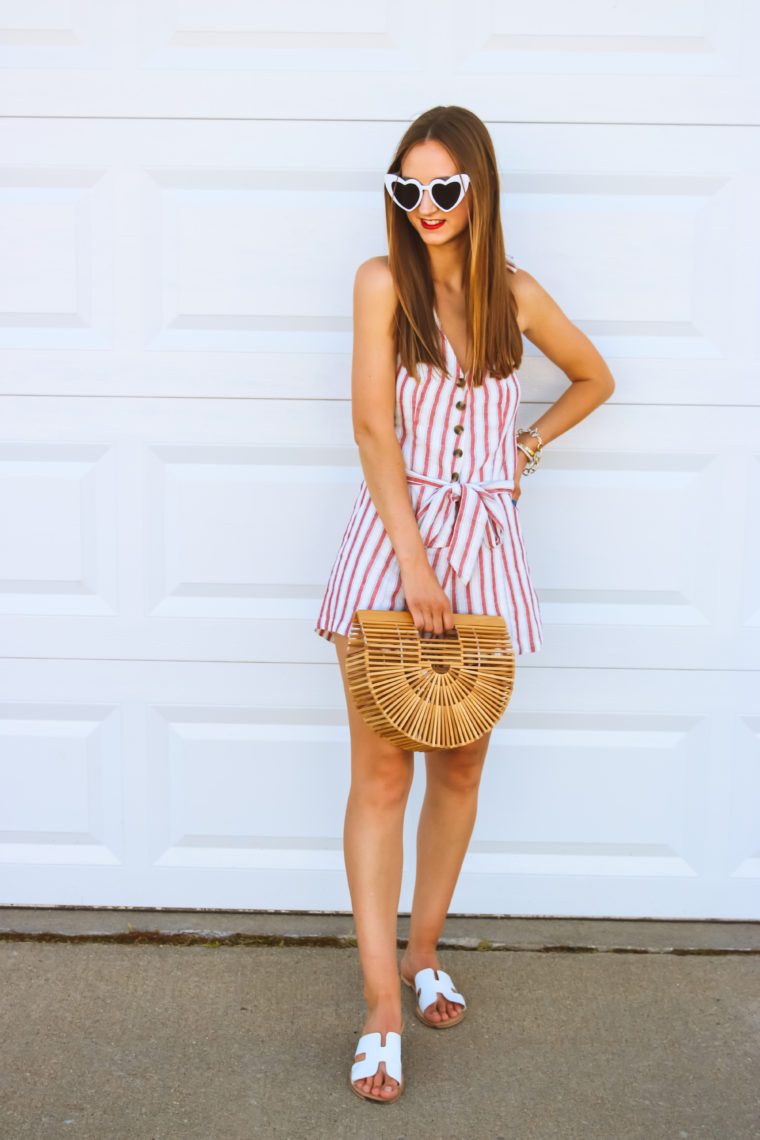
510,263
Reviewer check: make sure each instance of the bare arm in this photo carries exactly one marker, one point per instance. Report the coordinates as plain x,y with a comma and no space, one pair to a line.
546,326
373,402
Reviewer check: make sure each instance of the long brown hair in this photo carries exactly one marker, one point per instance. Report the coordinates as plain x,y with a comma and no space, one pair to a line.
491,306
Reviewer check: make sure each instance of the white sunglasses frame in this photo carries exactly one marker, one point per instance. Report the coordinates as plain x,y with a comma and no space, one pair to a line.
464,181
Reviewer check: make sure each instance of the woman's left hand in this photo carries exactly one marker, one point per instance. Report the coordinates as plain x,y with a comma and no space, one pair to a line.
522,461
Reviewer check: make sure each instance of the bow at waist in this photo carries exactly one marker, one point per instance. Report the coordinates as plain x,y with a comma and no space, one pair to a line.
461,516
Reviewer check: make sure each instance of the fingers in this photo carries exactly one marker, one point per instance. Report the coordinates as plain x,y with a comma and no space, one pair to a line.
437,619
426,601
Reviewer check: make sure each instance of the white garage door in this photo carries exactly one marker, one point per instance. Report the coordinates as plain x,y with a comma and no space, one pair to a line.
187,189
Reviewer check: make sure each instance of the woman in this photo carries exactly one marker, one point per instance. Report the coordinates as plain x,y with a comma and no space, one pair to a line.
438,328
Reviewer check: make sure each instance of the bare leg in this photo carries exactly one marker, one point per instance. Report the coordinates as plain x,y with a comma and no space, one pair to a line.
381,776
446,822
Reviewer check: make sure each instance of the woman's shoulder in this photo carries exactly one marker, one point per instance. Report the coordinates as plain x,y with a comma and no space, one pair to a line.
375,274
526,291
521,280
374,286
375,300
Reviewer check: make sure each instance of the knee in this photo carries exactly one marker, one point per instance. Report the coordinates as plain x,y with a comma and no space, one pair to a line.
384,783
458,770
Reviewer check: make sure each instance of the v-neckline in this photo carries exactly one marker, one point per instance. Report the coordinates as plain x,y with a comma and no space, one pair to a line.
459,369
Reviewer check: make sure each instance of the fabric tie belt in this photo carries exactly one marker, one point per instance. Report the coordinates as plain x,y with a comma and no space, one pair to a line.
481,515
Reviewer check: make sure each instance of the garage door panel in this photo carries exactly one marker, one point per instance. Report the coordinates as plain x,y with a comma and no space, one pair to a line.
214,803
659,253
625,527
670,62
59,554
678,521
224,285
72,751
244,532
648,296
47,35
679,24
649,573
291,35
661,768
207,263
265,269
56,228
594,38
637,781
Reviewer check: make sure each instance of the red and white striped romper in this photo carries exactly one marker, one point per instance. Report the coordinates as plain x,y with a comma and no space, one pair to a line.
458,443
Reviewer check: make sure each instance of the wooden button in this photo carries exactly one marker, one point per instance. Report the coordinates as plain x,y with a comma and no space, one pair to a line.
458,429
461,382
459,405
458,452
455,477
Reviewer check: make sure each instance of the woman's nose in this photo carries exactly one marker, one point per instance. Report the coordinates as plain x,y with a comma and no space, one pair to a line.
427,205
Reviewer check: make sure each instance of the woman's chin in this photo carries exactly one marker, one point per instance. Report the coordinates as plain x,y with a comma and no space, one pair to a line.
439,237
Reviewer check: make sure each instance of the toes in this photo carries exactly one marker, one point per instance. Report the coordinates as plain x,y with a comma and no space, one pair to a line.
383,1085
372,1086
442,1010
389,1087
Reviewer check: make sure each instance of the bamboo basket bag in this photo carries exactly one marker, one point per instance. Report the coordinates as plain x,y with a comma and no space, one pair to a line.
424,693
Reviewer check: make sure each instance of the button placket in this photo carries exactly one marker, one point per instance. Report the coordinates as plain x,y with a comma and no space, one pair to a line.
460,406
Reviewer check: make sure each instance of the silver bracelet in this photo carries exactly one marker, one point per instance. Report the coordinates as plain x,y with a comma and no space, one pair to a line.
530,431
533,459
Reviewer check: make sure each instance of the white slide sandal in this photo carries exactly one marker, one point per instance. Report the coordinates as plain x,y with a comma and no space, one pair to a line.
428,987
374,1053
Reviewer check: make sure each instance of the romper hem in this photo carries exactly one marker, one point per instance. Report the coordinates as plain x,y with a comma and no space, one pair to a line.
329,635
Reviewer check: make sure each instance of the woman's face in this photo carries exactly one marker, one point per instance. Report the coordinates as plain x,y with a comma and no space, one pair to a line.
426,161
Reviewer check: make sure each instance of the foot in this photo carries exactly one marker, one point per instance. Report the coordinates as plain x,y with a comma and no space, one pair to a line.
380,1086
441,1010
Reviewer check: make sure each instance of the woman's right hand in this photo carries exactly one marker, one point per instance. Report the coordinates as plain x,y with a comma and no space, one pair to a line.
425,599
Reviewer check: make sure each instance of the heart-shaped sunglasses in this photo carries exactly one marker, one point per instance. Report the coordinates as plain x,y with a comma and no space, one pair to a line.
445,192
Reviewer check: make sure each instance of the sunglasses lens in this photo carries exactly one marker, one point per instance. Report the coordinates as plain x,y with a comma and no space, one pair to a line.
446,195
406,196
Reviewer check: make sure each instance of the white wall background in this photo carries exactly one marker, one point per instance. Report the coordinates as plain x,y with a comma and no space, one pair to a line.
186,191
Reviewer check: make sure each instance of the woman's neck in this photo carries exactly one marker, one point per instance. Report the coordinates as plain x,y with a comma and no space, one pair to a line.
447,267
